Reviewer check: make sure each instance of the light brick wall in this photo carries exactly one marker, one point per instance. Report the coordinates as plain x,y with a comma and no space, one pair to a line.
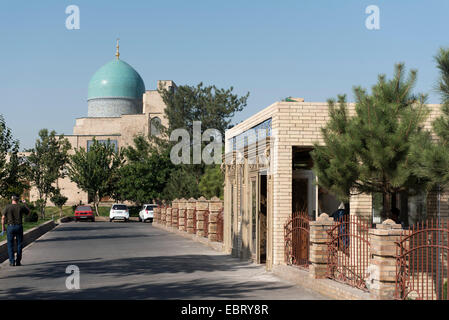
295,124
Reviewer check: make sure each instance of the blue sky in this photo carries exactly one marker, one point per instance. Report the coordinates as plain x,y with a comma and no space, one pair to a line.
273,49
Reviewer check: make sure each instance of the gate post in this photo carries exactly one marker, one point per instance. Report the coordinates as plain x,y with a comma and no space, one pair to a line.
174,213
215,206
182,214
382,279
157,212
201,206
318,245
163,213
168,211
189,214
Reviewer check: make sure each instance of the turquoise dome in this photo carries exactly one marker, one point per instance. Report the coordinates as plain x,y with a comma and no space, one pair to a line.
116,79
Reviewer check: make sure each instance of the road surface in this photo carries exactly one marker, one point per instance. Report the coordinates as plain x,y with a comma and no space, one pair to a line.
136,261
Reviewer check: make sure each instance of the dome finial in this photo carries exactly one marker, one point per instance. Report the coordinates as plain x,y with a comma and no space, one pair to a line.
117,54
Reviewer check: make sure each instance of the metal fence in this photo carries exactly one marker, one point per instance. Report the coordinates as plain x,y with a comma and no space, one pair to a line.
297,240
348,251
422,261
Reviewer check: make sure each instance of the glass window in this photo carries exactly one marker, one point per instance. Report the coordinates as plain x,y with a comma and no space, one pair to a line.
155,124
84,208
417,208
113,142
119,207
253,207
232,213
377,207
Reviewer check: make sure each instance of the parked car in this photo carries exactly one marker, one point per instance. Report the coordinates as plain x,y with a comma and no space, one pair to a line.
146,214
120,212
84,213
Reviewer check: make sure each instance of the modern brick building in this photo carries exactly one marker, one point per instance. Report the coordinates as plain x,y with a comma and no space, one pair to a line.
260,196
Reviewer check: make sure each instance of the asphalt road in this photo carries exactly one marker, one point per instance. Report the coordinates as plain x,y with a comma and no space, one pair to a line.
136,261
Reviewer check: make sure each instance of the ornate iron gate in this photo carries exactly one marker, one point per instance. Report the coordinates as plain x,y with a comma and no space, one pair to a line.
296,240
422,262
348,251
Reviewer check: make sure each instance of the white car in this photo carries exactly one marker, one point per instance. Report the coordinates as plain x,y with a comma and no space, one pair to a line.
119,211
146,214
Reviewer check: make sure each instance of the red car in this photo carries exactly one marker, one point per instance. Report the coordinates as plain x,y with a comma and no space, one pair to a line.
84,212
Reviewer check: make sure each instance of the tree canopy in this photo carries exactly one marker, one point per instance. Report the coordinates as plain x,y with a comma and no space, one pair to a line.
212,106
373,151
145,174
46,164
12,168
96,171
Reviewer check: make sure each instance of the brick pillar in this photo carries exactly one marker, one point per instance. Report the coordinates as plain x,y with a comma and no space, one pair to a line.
157,213
168,216
182,207
318,245
174,213
382,268
201,206
190,212
163,214
215,206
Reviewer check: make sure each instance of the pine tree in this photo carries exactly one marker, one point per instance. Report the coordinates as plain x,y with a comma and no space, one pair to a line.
372,152
433,160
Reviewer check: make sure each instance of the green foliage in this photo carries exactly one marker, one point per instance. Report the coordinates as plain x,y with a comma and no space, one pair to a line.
211,183
145,174
212,106
374,150
58,199
433,158
46,164
181,184
12,168
96,171
32,217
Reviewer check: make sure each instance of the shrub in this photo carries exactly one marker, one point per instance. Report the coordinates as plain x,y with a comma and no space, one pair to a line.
32,217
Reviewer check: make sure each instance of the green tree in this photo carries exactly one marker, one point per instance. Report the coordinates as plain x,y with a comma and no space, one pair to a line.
212,106
58,200
211,183
181,184
145,174
12,167
432,160
46,162
95,171
372,152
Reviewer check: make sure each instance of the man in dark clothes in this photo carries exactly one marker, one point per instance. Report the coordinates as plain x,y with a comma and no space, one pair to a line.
12,214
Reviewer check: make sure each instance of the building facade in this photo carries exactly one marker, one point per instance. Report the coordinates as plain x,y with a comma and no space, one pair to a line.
262,192
119,108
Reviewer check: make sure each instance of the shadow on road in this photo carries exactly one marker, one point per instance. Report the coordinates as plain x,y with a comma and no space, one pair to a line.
134,266
192,289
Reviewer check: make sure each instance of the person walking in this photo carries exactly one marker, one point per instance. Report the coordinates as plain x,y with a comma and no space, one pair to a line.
12,214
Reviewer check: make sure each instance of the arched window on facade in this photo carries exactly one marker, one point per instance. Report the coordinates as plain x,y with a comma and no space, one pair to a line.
155,126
